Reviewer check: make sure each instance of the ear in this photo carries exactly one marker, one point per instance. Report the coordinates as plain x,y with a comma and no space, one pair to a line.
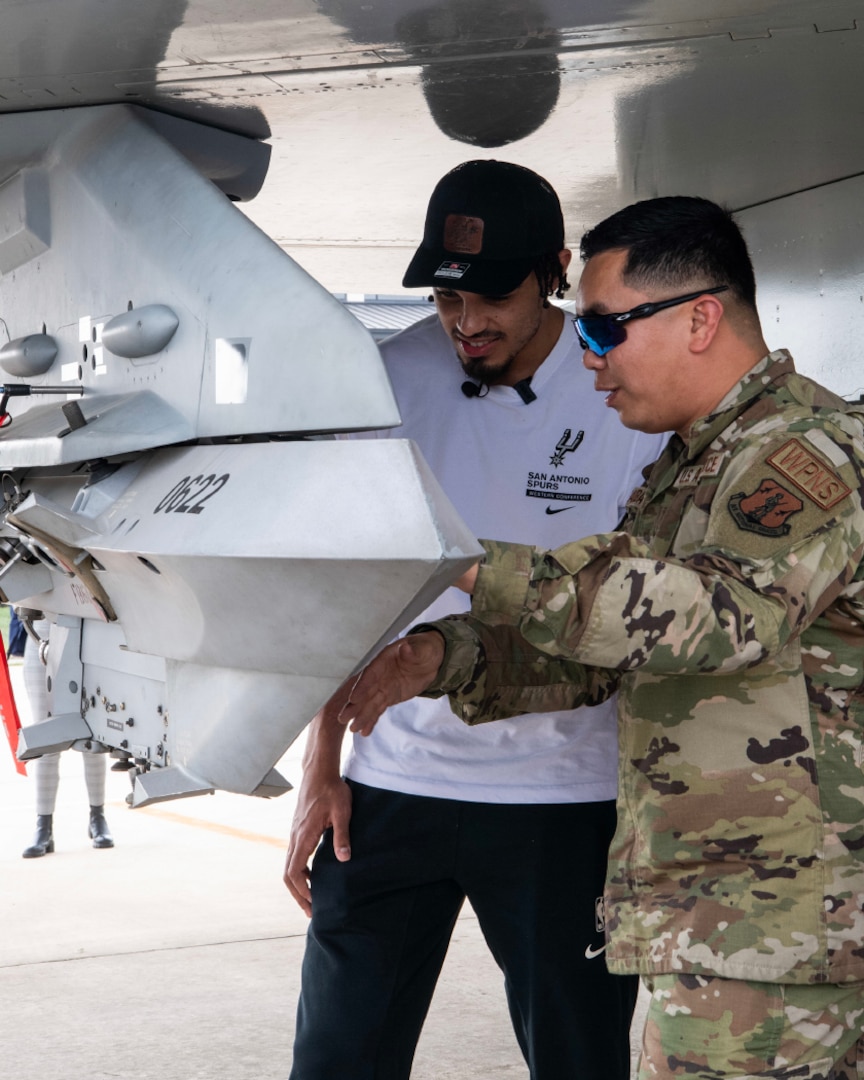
565,256
705,322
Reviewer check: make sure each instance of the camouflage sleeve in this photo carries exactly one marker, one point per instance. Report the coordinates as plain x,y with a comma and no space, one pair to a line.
782,537
491,673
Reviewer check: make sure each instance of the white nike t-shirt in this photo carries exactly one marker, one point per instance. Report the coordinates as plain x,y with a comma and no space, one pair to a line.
545,473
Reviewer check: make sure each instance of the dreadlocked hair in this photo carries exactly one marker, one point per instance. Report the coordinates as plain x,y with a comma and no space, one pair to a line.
551,277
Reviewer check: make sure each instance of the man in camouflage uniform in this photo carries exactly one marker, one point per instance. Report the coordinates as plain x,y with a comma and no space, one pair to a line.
728,612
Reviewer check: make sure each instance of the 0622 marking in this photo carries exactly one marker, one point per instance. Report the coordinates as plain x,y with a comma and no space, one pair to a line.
189,495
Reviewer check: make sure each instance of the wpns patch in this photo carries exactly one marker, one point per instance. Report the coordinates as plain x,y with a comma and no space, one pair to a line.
766,510
809,474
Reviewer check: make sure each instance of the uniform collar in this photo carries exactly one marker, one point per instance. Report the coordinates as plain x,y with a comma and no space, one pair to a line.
768,370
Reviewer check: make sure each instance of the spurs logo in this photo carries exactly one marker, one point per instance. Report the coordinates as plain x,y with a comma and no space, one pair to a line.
565,446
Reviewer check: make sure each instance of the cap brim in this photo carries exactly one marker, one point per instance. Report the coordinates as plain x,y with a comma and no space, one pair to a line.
466,273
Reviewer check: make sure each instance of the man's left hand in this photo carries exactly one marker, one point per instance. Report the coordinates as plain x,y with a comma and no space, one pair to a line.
400,671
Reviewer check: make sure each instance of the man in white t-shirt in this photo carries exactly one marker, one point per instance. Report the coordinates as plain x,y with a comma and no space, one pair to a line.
515,816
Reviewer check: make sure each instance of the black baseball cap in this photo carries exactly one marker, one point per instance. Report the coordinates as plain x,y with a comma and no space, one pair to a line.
487,224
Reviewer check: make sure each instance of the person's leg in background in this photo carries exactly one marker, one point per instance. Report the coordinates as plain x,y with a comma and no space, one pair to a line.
46,769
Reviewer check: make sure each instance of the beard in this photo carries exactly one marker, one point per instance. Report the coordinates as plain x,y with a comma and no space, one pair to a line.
481,370
515,339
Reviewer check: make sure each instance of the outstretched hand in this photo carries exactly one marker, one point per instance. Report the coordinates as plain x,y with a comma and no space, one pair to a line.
400,671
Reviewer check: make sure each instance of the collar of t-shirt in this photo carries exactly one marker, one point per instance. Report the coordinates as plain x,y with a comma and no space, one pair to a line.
567,340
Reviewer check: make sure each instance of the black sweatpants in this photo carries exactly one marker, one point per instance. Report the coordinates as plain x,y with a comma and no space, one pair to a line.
381,924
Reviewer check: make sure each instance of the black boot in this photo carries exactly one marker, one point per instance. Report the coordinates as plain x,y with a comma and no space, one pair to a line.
43,841
98,831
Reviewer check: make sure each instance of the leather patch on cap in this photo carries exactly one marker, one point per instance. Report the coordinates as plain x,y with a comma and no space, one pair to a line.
810,475
463,234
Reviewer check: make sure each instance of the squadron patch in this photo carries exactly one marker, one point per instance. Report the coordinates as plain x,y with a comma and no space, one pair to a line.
809,474
766,510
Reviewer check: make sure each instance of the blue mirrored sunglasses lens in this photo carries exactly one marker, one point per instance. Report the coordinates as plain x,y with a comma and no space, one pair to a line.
599,334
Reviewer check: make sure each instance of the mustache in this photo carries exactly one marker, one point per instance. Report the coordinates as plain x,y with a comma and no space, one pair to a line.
458,335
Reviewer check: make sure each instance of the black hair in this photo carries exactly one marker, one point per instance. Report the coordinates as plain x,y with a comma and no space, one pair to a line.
676,242
551,276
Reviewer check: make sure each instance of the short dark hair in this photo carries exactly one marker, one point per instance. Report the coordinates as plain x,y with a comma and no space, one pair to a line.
677,241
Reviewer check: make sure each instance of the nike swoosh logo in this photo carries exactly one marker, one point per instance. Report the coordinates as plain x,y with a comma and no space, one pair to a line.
591,953
560,509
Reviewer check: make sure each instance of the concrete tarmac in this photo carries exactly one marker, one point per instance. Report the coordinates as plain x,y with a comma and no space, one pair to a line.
176,954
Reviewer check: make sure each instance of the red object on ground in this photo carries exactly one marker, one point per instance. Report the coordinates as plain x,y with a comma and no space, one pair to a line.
11,722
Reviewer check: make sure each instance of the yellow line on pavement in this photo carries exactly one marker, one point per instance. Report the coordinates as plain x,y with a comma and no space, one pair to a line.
212,826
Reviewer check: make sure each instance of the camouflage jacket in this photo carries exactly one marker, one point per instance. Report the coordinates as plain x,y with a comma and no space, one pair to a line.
729,611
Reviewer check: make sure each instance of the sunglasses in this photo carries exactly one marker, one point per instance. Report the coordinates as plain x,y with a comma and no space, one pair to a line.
601,333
